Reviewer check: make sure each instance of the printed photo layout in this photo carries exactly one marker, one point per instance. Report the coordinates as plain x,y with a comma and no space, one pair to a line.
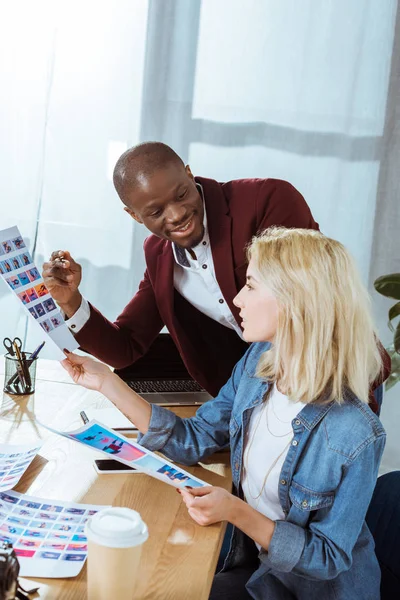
14,460
43,530
100,437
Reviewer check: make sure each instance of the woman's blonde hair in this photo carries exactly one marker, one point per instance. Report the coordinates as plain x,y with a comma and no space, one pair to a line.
325,342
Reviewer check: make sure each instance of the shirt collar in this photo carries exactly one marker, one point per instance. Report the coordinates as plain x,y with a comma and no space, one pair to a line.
179,253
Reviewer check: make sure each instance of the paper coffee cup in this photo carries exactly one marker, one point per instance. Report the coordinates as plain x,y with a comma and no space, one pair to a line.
115,537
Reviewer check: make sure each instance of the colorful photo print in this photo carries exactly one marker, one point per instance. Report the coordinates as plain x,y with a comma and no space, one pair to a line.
176,475
29,543
42,524
59,536
53,546
92,512
6,266
151,463
33,274
18,243
39,535
49,555
25,258
13,282
46,325
47,516
10,528
74,511
41,289
1,269
22,553
49,304
39,309
77,547
4,537
18,470
24,279
80,529
32,294
18,520
1,250
23,296
64,527
23,512
73,557
7,247
95,437
52,508
10,499
70,519
33,312
28,503
57,321
78,537
16,263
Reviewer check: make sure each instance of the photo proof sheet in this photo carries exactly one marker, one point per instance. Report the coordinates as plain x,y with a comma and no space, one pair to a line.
14,461
23,278
106,440
48,535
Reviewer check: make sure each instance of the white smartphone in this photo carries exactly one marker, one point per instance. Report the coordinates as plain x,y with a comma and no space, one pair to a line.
108,465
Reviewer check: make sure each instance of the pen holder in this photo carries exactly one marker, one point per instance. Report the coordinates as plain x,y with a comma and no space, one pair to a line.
20,376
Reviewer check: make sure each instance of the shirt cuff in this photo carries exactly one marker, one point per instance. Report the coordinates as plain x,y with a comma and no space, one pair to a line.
162,422
286,546
78,320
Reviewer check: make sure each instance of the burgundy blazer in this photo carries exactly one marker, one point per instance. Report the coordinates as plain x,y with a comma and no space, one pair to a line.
236,211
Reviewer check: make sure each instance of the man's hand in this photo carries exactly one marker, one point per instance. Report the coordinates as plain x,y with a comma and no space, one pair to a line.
208,505
62,276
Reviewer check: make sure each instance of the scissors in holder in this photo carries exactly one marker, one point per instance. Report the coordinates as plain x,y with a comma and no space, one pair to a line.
9,345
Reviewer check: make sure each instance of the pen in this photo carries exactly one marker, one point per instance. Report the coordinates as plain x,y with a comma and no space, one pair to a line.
28,363
84,417
20,366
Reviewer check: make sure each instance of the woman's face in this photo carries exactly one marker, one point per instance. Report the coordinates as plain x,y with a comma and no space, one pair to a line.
258,309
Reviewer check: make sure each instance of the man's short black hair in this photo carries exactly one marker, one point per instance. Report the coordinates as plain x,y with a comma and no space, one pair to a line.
140,162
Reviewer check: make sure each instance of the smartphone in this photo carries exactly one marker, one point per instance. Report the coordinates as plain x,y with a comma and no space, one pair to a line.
107,465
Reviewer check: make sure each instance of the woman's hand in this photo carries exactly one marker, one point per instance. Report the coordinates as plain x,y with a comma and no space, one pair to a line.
86,371
208,505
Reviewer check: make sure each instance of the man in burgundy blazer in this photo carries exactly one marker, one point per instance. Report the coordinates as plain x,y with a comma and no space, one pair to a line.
236,211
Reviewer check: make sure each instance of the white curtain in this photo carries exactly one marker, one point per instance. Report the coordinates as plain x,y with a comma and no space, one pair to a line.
262,88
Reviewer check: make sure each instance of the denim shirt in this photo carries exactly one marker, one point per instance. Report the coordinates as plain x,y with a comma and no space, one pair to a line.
323,548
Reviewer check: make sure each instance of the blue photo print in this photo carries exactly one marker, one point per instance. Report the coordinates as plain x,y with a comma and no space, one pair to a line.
33,312
24,279
16,263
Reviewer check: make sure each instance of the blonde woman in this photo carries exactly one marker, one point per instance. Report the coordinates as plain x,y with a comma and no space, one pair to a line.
305,447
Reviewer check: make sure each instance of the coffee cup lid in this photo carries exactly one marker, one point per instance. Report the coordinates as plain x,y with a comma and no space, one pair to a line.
116,527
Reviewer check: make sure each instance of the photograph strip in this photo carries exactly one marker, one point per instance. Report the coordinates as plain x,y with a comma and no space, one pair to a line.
14,460
22,277
106,440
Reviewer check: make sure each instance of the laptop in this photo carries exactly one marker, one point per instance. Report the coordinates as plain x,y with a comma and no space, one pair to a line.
161,377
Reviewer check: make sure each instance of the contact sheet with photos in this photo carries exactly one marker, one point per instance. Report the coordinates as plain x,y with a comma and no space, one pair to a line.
23,278
48,536
100,437
14,460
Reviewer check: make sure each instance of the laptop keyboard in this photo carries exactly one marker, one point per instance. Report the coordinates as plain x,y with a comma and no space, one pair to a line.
165,386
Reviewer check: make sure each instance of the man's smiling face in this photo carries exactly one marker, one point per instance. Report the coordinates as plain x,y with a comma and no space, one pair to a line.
168,203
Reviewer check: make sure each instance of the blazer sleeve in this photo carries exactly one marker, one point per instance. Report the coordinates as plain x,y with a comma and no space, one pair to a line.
120,343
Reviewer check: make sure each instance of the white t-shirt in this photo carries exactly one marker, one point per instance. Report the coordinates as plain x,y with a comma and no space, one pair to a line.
266,445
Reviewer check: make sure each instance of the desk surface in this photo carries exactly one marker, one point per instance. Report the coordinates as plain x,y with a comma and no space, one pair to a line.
179,559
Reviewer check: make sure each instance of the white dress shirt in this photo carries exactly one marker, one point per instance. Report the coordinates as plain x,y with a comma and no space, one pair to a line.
194,279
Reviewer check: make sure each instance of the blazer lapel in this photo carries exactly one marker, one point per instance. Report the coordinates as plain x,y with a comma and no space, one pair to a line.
220,232
164,284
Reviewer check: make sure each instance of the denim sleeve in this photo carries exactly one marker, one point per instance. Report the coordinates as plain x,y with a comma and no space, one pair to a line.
324,549
189,440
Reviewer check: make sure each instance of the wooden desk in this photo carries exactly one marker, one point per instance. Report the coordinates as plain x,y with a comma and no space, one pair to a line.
179,559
